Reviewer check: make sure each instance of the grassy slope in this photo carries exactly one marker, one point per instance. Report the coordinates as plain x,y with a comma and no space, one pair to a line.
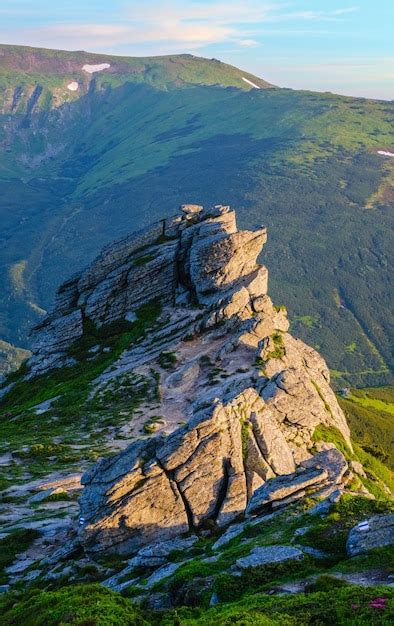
137,146
93,605
370,413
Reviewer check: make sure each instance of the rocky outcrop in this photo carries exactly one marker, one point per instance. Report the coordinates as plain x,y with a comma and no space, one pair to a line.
249,395
198,256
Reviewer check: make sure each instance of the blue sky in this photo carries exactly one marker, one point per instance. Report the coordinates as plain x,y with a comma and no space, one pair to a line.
345,46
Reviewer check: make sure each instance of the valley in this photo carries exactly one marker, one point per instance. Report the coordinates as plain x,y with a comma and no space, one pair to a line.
81,167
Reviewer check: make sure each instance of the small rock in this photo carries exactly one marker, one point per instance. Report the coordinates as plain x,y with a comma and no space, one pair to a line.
233,531
130,316
323,507
163,572
191,209
214,599
156,601
358,468
301,531
314,552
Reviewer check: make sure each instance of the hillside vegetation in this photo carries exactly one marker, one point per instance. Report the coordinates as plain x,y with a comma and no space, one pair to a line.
370,413
80,168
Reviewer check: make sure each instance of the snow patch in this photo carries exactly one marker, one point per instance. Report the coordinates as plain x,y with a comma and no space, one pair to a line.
90,69
73,86
250,83
386,153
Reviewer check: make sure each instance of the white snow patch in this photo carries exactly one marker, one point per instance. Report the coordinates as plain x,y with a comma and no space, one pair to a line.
250,83
386,153
90,69
73,86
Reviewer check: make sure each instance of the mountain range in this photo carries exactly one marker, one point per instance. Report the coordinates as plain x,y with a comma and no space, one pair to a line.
93,147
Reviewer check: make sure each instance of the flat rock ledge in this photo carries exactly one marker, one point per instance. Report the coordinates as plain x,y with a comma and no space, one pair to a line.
261,556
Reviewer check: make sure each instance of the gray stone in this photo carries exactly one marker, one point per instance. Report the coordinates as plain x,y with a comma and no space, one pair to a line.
324,507
313,552
375,532
214,599
191,209
162,573
285,486
233,531
261,556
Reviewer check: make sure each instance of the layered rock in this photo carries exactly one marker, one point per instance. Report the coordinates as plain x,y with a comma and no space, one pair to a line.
249,394
198,256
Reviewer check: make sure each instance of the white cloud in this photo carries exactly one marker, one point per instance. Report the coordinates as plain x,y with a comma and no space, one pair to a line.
162,26
248,43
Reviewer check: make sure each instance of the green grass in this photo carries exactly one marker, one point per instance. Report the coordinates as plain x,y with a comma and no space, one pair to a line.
167,360
378,472
344,606
72,415
80,605
73,382
16,542
142,260
370,415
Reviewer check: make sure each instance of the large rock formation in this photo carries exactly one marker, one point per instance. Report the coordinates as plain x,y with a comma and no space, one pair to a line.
239,405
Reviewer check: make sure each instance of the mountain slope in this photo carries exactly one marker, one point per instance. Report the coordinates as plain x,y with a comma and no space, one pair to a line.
78,169
227,470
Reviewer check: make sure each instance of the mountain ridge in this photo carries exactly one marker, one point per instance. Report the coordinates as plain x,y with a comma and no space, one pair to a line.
75,177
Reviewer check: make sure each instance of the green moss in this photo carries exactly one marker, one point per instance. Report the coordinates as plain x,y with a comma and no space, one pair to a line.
142,260
57,497
245,434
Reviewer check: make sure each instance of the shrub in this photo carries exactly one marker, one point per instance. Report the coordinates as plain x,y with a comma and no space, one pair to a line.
79,605
167,359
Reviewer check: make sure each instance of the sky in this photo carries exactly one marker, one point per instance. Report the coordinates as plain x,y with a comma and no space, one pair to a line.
343,46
